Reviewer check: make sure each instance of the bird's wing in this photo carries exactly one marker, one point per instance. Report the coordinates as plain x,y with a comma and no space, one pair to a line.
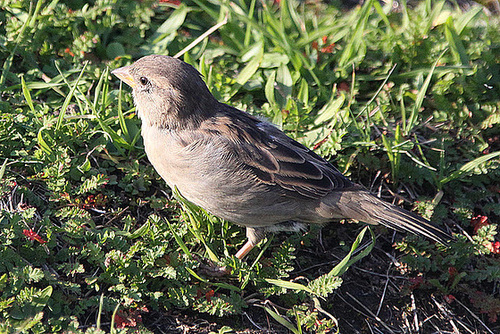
274,158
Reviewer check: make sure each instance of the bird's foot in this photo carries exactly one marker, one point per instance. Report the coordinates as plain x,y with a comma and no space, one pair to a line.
213,270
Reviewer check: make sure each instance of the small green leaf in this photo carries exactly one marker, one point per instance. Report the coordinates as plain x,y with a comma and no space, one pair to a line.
171,25
27,324
41,299
325,284
283,86
269,89
273,60
85,166
330,109
249,70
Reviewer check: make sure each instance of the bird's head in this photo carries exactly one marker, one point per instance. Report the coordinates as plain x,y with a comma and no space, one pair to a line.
167,92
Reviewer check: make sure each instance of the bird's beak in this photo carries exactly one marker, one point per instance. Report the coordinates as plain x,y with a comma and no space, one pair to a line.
123,73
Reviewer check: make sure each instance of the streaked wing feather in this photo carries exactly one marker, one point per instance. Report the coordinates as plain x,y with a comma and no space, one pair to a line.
275,159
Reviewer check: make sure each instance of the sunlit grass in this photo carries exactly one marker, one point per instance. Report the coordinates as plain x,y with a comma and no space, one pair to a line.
405,103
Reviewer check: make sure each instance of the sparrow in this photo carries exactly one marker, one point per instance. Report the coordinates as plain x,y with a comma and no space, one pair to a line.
242,168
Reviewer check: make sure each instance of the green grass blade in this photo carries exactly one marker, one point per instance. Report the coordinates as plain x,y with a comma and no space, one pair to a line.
282,320
27,94
388,150
433,10
330,109
179,240
365,108
193,227
456,46
295,17
195,275
99,312
98,89
468,167
335,33
354,44
219,285
112,329
189,210
145,228
346,262
248,31
383,16
201,37
289,285
34,17
412,120
68,98
466,18
41,141
30,21
365,251
3,168
115,137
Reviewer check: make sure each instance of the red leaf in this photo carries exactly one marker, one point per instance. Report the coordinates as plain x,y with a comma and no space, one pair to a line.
32,235
209,295
478,222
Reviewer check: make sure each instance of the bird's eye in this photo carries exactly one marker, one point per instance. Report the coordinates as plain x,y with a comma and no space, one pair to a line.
144,81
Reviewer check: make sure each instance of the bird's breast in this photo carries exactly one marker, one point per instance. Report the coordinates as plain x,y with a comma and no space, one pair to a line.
208,174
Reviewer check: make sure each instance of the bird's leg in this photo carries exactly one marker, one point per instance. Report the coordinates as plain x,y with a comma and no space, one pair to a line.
254,236
247,247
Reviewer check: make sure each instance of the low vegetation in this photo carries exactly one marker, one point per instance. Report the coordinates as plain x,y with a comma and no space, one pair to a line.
403,100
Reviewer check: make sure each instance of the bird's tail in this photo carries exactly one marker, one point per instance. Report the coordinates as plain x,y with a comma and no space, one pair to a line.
361,205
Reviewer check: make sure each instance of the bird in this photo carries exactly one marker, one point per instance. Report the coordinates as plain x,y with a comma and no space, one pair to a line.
243,168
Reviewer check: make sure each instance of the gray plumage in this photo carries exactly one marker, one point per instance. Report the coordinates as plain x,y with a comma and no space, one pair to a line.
241,168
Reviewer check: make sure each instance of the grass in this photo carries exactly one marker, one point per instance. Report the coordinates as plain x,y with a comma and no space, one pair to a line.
404,102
